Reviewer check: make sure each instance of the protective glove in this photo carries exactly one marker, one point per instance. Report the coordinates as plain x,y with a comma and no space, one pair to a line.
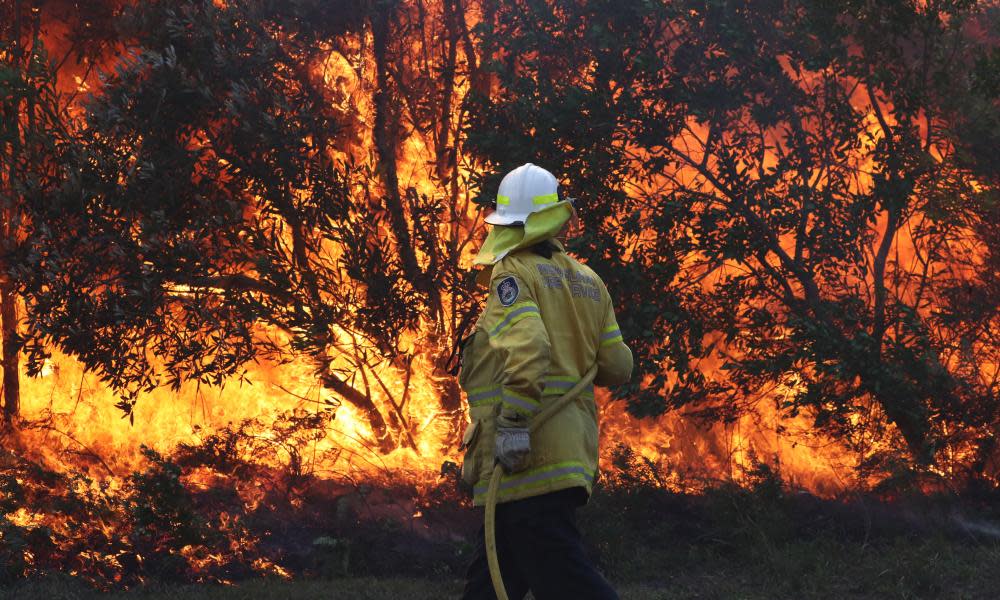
513,443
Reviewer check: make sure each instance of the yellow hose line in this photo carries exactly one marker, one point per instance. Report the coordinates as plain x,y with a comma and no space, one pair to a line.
494,489
491,533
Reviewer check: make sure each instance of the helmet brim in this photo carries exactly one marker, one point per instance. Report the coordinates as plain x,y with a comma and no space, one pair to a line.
494,218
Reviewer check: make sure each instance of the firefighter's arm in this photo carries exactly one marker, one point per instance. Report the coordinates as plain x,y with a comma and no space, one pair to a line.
515,329
614,358
514,325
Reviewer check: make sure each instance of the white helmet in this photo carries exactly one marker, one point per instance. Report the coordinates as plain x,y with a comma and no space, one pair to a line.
524,190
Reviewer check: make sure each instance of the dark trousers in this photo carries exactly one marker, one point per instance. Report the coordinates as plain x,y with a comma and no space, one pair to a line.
539,549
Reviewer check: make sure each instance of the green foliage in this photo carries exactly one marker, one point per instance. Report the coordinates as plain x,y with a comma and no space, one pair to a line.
782,195
216,203
210,210
752,176
167,203
333,556
163,516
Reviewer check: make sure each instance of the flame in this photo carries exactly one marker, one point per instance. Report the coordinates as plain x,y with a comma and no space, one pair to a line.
279,417
71,419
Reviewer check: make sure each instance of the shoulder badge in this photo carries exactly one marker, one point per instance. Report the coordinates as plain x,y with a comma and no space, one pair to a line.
508,291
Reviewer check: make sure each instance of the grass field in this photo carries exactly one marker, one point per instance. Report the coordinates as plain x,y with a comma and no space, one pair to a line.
757,542
820,569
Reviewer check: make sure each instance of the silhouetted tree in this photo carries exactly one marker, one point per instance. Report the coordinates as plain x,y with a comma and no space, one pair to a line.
219,206
785,180
792,201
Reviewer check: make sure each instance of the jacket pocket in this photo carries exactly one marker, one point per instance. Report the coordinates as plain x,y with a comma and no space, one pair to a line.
466,358
474,452
471,433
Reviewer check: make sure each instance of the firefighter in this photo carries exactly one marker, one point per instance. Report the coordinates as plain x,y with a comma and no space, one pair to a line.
548,319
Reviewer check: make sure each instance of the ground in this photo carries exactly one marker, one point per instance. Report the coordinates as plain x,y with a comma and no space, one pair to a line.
754,542
928,568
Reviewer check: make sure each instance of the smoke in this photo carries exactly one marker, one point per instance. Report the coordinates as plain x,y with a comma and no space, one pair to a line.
976,526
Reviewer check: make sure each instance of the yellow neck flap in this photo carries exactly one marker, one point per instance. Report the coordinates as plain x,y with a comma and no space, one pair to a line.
538,227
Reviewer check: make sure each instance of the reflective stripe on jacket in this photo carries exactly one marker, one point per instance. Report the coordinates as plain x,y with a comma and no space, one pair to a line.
546,321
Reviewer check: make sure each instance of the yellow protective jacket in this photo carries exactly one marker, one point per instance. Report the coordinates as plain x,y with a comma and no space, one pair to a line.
546,322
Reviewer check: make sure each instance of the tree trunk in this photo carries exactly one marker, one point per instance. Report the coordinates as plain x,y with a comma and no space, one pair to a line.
11,377
8,298
910,416
385,143
445,154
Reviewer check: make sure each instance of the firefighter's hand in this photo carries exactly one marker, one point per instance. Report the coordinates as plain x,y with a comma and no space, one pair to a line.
512,447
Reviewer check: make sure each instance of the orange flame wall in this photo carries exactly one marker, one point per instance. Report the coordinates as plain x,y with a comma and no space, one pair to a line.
71,421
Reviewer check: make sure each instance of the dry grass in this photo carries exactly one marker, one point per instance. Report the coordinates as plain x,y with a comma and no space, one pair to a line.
815,570
727,544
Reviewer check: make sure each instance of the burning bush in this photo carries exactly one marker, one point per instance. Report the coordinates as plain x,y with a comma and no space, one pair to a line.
794,205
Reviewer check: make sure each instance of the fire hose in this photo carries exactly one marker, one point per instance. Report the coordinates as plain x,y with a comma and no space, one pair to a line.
494,490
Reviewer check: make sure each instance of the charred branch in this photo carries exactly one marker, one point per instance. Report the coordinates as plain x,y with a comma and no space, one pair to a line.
386,139
380,429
